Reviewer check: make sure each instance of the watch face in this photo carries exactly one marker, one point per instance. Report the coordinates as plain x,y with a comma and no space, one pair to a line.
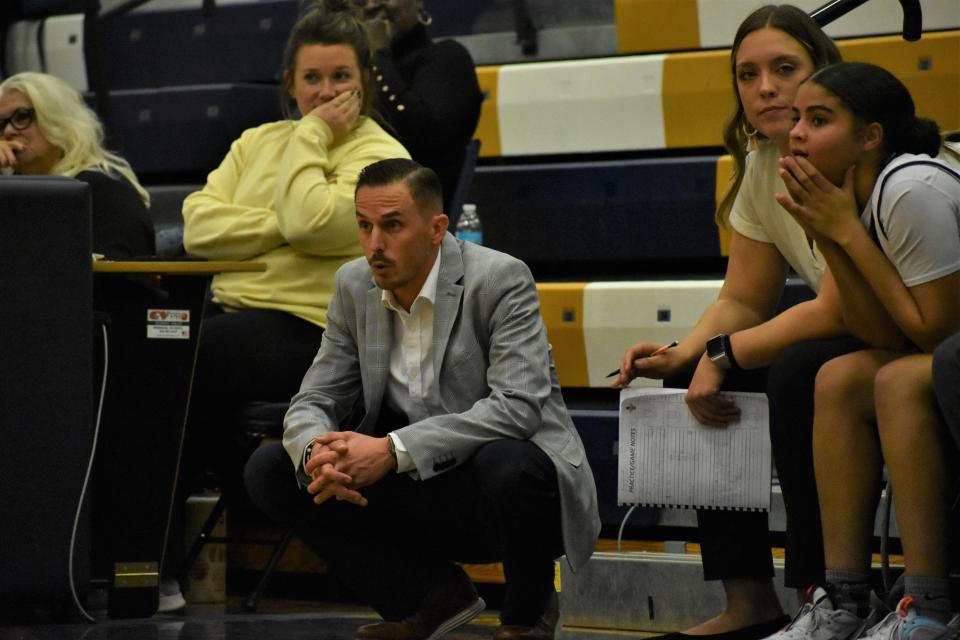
715,348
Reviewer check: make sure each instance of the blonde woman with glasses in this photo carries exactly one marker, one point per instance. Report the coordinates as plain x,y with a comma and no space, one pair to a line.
46,129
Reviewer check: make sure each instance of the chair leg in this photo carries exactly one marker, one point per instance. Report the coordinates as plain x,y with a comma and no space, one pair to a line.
204,534
253,600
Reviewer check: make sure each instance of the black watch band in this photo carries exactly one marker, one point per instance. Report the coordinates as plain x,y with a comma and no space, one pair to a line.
720,351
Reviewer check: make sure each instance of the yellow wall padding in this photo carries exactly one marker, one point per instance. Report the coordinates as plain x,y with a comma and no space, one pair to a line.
656,25
930,68
697,98
488,129
724,173
561,305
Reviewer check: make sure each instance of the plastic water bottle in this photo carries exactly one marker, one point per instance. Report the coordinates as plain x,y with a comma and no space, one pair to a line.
468,226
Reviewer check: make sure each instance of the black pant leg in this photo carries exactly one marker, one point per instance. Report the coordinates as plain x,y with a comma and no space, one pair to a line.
790,390
735,545
946,383
358,550
503,504
519,483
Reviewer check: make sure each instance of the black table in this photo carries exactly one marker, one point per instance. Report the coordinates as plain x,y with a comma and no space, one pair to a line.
153,313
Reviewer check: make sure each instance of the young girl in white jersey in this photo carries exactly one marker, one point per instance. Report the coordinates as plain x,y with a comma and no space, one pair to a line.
864,183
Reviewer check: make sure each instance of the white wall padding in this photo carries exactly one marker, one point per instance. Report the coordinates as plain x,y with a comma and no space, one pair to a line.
580,106
63,49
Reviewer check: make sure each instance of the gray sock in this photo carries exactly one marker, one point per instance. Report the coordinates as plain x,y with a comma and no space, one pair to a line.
850,591
931,596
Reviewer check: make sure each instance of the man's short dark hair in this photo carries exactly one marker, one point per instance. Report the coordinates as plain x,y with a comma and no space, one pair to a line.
422,181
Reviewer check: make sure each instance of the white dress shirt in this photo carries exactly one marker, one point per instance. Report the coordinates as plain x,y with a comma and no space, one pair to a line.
411,387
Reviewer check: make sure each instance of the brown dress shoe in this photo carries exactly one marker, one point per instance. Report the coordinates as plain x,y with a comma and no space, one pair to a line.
543,630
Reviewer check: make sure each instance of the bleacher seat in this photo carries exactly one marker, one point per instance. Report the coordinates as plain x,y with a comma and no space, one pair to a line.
597,219
187,130
238,42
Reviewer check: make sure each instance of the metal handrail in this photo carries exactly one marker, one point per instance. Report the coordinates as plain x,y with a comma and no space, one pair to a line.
526,30
912,15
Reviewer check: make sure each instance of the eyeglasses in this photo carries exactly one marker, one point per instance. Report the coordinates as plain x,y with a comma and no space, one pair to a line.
19,120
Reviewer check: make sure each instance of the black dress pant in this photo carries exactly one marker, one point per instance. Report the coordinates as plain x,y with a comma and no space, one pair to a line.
503,504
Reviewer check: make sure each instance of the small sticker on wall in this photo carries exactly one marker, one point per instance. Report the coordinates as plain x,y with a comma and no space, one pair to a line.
168,324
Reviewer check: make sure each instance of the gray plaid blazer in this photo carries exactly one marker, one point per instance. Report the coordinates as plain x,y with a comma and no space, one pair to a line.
493,366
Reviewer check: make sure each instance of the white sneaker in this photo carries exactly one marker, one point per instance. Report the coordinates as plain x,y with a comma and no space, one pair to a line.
818,620
170,597
904,624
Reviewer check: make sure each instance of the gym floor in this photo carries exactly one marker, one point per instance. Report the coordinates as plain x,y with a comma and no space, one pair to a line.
275,620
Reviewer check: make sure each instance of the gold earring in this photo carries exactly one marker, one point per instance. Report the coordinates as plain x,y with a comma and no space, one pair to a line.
424,18
748,130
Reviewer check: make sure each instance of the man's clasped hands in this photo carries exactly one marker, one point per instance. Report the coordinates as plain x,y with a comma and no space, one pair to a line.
342,462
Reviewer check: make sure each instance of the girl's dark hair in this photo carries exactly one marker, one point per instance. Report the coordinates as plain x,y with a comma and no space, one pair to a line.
799,26
873,94
329,22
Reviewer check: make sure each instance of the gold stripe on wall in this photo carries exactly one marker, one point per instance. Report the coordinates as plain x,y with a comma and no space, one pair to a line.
561,305
488,129
645,26
697,97
724,173
929,67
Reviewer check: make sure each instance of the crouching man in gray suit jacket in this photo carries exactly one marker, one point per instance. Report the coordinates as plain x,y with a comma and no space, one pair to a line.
430,428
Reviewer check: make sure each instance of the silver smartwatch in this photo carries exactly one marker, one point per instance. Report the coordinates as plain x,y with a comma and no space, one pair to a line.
721,353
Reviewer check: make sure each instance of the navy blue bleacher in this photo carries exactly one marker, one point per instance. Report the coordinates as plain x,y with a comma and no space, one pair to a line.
185,83
187,129
172,47
602,218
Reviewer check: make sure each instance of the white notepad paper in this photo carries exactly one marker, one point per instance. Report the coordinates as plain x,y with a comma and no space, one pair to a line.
667,458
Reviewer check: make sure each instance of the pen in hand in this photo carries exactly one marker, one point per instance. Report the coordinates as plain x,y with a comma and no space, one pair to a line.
655,353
